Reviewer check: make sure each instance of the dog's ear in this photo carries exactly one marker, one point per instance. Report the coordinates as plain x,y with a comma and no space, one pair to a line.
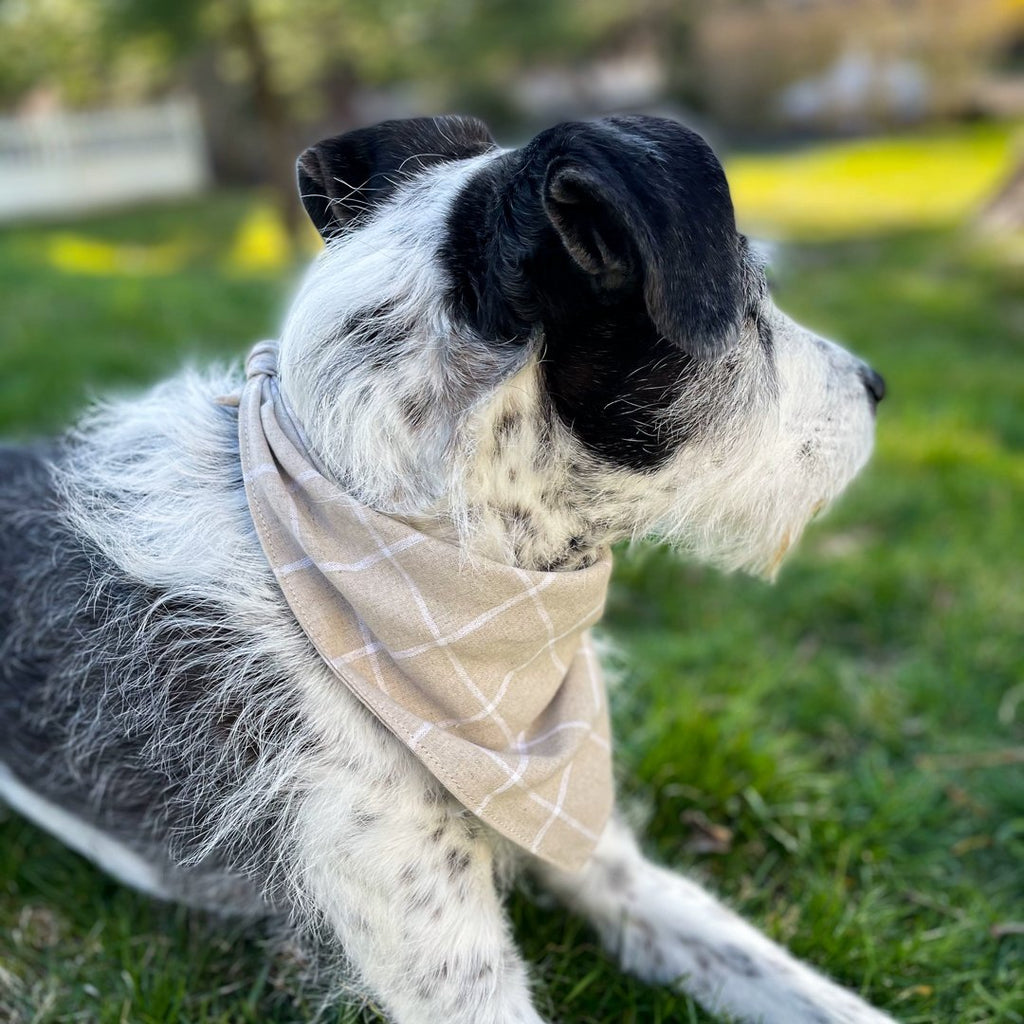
643,202
343,178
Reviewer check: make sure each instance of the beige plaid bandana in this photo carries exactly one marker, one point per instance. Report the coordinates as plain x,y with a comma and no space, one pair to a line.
483,670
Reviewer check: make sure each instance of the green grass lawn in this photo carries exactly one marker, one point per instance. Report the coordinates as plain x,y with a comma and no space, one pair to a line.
858,727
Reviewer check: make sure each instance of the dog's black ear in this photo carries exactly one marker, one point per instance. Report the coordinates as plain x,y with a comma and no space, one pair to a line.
343,178
644,201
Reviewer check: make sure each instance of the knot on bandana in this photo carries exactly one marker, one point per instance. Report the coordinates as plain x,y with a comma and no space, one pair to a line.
483,670
262,360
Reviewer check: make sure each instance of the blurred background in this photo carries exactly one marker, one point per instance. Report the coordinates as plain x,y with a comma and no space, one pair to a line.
843,753
109,102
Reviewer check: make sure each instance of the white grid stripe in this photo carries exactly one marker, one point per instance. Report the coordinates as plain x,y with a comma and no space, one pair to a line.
472,627
363,563
374,660
538,799
548,624
514,779
524,745
563,788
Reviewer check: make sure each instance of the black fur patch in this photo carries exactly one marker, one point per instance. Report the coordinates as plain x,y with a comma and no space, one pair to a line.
342,180
505,428
375,333
615,243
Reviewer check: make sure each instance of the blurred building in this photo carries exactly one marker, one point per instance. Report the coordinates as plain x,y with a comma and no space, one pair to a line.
857,65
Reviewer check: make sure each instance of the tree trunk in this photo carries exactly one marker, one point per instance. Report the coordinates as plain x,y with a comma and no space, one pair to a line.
271,111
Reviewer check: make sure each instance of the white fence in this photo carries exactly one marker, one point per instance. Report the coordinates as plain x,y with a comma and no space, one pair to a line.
65,163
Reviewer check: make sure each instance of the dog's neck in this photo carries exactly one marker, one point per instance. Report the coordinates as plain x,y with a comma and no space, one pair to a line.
522,493
504,479
517,537
517,516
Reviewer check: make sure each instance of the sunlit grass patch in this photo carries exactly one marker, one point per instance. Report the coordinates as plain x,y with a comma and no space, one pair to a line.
74,253
870,186
256,244
261,244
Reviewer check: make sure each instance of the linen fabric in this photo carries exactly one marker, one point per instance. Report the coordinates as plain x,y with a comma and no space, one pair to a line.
483,670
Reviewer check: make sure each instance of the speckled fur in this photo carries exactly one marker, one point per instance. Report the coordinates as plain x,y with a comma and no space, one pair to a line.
156,692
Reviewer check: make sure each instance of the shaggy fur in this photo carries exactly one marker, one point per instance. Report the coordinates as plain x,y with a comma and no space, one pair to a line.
533,353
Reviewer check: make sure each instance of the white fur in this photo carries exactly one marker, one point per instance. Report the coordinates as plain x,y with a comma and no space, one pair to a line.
113,857
376,858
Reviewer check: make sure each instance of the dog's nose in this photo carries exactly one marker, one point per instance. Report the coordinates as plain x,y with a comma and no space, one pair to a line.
874,382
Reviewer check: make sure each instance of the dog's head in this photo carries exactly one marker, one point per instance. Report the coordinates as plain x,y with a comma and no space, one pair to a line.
542,350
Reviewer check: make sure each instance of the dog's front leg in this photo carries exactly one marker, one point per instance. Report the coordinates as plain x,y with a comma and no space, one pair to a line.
667,929
404,881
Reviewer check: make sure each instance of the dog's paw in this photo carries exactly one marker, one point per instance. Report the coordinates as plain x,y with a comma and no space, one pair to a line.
756,983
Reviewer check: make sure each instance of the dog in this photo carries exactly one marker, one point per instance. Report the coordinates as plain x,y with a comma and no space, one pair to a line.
528,354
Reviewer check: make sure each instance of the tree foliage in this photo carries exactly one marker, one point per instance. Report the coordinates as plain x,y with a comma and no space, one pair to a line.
101,51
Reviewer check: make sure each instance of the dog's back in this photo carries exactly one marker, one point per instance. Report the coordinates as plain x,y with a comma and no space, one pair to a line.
45,573
29,538
74,630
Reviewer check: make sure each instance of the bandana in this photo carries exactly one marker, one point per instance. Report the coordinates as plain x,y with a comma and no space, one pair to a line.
483,670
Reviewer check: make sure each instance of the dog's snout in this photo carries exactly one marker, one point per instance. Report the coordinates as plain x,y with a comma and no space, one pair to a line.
874,382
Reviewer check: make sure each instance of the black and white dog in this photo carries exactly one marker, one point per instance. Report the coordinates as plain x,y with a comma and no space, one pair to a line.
534,353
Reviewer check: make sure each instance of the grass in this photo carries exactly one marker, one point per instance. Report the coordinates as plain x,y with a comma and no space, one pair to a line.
858,727
866,186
